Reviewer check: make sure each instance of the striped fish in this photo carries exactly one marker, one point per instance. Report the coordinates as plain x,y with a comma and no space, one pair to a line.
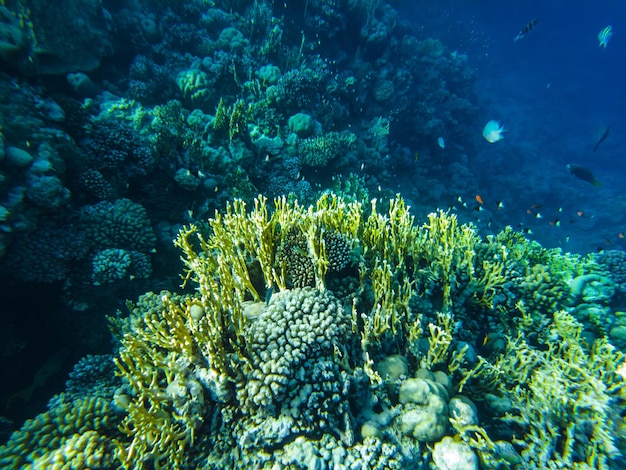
605,35
526,29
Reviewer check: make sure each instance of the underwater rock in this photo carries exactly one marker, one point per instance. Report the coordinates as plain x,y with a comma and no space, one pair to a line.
393,369
425,413
370,429
464,410
82,85
72,36
303,125
592,288
268,145
618,333
18,157
47,192
497,405
449,454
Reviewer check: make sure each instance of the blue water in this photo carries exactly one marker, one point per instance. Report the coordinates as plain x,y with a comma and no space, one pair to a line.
555,91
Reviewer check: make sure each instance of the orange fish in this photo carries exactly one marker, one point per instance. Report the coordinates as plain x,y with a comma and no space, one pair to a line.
479,199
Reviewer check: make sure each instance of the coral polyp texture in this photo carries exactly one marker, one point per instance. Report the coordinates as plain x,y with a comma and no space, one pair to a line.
403,345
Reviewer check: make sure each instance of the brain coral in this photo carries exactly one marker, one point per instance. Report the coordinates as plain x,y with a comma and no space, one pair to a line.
291,346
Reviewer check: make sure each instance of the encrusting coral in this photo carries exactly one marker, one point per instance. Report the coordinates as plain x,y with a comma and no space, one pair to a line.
267,364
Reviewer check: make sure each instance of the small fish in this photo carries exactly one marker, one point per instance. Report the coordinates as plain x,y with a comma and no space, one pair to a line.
417,156
482,339
580,214
441,142
479,199
584,174
489,343
538,215
362,166
492,132
526,29
536,206
602,138
500,205
555,223
605,35
620,235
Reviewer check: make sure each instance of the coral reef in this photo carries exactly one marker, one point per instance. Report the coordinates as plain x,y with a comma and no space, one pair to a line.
251,370
325,330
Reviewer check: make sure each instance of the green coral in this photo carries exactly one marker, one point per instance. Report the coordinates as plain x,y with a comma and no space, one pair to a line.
195,86
318,151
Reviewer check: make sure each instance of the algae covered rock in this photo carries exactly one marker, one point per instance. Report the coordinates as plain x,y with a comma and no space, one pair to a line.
463,410
302,125
425,412
449,454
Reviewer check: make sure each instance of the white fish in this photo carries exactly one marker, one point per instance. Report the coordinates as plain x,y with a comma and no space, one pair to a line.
492,132
605,35
441,142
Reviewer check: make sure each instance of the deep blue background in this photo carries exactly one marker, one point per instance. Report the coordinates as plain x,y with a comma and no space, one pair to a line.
555,91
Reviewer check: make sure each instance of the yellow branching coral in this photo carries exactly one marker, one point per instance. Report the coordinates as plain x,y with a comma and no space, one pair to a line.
390,236
439,343
449,249
155,438
563,396
159,348
492,279
176,347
